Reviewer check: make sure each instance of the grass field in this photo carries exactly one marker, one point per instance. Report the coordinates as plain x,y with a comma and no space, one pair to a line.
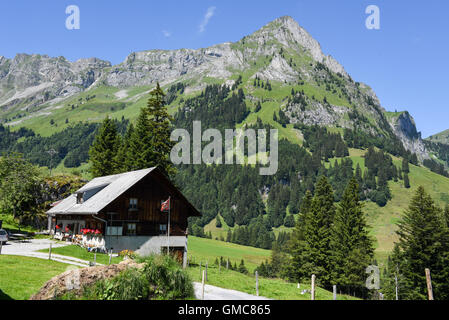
83,254
21,277
270,288
207,250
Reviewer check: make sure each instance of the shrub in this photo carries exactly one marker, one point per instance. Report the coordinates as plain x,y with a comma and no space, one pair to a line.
166,278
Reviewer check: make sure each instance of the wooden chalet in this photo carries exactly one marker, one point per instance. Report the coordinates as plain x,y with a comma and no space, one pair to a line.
123,212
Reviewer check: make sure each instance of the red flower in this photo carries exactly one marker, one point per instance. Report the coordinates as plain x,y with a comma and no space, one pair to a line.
57,227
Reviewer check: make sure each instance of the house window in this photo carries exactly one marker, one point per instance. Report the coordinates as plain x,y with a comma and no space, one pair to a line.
114,231
79,198
131,229
162,229
133,204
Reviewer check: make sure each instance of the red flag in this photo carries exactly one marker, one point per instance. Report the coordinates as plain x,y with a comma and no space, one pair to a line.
165,206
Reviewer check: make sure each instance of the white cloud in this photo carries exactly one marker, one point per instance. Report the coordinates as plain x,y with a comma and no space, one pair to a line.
166,33
209,14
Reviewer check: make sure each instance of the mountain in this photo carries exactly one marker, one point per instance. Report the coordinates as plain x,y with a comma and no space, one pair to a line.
282,54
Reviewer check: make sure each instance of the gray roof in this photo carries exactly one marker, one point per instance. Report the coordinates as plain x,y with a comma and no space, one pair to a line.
110,187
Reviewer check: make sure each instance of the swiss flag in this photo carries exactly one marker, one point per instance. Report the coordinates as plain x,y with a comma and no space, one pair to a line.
165,206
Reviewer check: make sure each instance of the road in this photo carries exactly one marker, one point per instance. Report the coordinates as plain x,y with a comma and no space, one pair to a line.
216,293
29,248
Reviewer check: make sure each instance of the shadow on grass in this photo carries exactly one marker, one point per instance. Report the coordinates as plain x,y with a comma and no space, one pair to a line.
4,296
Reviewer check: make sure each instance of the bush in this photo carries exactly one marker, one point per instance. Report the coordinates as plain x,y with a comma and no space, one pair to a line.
160,278
130,284
166,278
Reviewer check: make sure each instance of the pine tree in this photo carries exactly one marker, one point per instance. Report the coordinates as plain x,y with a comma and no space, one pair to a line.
314,252
423,243
446,214
405,166
123,156
103,152
160,124
406,181
352,248
150,143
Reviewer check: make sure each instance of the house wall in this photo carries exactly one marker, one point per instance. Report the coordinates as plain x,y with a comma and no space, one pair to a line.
148,216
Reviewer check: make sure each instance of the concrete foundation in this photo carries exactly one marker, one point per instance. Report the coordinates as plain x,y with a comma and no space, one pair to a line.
144,245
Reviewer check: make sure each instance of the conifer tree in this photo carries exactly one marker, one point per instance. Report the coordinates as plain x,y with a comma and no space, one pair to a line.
406,181
423,243
296,243
123,156
446,214
103,152
352,248
150,143
313,256
405,166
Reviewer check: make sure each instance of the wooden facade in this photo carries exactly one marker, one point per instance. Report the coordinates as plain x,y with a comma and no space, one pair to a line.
137,211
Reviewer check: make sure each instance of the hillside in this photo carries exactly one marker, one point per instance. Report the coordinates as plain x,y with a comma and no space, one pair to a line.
442,137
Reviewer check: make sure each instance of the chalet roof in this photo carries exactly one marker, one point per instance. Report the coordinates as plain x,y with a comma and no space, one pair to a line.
102,191
110,187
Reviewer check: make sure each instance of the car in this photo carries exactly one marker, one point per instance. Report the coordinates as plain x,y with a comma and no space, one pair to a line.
3,236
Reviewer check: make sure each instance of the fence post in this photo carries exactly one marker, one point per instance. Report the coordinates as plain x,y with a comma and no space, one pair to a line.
202,286
334,287
257,283
95,259
206,270
313,287
429,284
219,265
1,245
200,268
227,264
49,252
110,256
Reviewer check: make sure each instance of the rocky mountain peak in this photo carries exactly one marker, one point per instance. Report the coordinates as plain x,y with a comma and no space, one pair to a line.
289,33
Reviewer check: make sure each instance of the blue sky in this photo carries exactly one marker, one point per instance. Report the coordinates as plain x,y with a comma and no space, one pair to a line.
405,62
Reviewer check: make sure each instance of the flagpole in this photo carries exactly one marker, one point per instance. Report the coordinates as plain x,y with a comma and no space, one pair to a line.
168,229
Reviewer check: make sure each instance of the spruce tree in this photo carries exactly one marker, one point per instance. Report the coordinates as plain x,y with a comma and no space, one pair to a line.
446,214
150,143
352,247
123,156
406,181
296,243
103,152
405,166
423,243
315,250
160,124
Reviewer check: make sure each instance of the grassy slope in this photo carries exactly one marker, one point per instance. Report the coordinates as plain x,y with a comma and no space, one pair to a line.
442,137
202,250
21,277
